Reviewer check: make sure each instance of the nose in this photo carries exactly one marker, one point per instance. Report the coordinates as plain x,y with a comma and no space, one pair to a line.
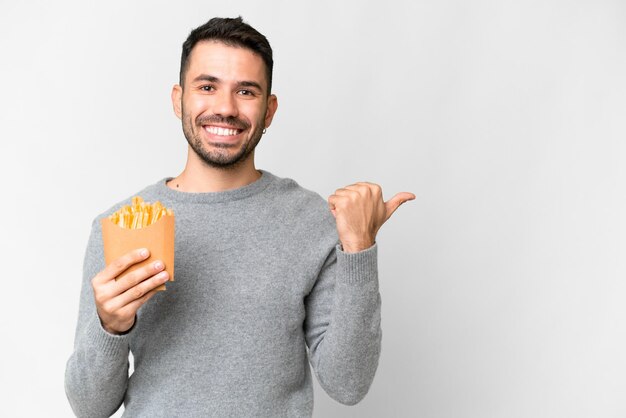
225,105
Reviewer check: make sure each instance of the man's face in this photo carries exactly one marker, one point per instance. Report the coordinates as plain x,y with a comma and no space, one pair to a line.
224,105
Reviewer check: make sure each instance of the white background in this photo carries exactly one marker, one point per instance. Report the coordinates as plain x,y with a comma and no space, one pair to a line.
503,283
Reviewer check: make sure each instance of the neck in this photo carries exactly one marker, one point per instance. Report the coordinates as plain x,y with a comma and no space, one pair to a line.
198,177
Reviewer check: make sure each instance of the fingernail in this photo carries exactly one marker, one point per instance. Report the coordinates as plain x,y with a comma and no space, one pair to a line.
143,252
158,265
162,276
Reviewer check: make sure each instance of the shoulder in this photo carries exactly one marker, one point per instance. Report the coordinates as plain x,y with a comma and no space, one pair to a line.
303,212
298,200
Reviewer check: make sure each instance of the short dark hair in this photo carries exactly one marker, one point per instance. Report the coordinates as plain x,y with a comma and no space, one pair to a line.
231,32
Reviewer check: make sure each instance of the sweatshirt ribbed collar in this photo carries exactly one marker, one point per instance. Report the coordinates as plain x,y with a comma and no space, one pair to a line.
215,197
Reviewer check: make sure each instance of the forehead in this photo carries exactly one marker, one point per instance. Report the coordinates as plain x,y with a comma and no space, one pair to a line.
228,63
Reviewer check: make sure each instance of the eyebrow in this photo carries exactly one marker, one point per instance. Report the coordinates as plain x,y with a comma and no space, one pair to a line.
250,84
206,77
213,79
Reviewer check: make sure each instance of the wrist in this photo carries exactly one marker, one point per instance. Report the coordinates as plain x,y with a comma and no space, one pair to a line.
121,329
356,247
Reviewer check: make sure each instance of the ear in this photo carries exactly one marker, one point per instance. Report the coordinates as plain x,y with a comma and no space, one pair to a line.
272,105
177,100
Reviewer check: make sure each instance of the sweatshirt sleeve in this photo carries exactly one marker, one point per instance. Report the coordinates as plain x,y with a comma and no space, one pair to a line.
96,374
342,324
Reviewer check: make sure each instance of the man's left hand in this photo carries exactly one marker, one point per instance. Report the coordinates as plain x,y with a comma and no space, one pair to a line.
360,211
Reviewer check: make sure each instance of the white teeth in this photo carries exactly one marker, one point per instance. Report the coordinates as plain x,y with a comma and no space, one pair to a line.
216,130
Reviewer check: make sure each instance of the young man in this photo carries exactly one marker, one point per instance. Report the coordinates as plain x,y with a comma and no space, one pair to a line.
269,276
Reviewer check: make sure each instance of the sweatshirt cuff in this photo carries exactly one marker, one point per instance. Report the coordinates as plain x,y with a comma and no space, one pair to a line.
107,344
358,267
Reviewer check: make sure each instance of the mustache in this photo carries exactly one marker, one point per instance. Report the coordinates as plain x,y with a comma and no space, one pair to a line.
231,121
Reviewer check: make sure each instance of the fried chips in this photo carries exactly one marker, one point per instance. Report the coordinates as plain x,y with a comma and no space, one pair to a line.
139,214
140,225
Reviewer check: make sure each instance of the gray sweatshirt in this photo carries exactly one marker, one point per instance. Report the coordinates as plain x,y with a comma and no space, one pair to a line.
262,288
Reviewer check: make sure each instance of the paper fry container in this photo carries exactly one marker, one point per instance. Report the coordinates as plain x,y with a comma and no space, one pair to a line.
158,238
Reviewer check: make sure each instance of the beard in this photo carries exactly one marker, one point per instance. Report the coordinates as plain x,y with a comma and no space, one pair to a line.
224,156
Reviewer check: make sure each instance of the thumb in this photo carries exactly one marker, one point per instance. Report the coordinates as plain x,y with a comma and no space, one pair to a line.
394,203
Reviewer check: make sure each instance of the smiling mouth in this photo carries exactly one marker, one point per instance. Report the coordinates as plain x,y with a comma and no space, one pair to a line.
220,131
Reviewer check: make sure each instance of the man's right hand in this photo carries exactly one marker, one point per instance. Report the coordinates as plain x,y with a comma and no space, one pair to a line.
118,296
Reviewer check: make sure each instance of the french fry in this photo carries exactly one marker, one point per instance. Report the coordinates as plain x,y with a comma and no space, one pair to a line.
140,225
139,214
